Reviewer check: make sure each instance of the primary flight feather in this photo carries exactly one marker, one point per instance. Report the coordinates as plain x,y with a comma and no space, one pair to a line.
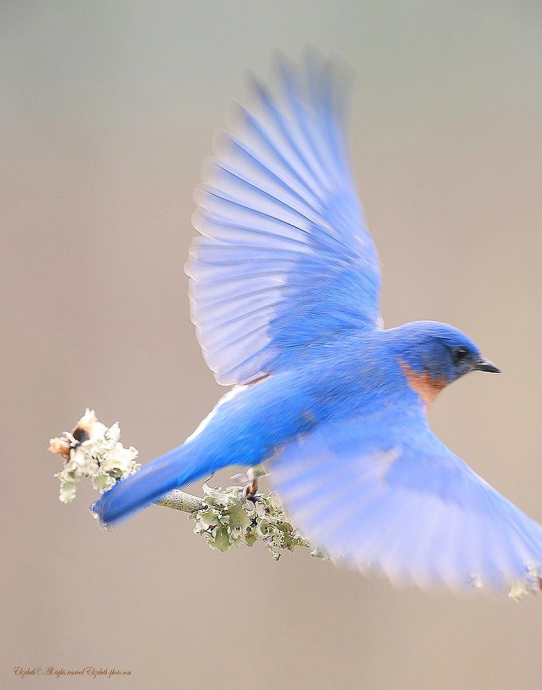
285,290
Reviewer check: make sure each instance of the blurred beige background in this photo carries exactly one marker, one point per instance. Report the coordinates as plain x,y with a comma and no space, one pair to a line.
107,110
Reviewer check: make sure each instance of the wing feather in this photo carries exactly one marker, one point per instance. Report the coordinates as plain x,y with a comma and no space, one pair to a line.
394,499
281,225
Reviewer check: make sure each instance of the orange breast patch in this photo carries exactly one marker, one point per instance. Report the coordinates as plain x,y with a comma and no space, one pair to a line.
424,384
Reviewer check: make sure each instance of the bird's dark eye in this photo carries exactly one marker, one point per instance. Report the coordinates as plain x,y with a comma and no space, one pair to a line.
459,354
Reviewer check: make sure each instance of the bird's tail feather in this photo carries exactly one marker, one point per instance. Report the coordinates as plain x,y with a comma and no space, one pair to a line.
170,471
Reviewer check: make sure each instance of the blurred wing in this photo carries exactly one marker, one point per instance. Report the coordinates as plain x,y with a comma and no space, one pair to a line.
284,258
397,501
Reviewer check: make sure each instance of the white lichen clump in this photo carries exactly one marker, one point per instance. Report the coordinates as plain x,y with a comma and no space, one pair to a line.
92,450
531,585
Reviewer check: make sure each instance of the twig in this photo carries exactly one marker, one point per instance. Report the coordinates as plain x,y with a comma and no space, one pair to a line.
179,500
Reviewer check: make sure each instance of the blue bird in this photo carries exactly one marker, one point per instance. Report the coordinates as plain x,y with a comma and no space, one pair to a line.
285,289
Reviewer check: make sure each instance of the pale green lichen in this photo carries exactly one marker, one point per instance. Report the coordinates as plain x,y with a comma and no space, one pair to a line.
230,519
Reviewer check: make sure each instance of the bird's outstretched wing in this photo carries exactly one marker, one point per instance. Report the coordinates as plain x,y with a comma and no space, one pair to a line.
390,498
284,259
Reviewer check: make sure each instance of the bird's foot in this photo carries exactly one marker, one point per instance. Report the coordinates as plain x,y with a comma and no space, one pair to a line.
250,481
251,490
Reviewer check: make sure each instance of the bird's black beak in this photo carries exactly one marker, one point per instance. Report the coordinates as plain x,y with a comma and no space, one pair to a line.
484,364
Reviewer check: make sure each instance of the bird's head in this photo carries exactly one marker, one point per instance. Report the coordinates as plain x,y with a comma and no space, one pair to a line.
433,355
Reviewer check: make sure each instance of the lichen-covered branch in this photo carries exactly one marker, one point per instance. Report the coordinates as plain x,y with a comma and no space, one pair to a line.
224,517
